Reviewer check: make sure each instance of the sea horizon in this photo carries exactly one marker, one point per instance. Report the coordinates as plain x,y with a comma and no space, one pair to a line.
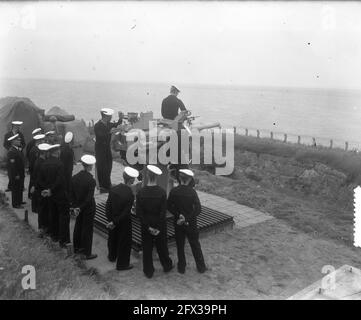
324,113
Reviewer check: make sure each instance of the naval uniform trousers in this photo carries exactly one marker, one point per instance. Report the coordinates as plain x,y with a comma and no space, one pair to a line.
83,231
192,234
120,243
160,242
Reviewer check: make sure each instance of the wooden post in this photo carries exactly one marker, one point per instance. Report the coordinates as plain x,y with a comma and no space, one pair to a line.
285,137
299,140
69,249
258,134
346,146
331,144
26,216
271,135
234,130
246,132
314,142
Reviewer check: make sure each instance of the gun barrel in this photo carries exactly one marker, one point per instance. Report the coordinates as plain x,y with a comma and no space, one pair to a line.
207,126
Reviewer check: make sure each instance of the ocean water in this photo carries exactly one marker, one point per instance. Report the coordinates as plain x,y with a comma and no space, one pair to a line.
321,113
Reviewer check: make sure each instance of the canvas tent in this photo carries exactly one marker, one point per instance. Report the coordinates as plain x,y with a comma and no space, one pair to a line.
23,109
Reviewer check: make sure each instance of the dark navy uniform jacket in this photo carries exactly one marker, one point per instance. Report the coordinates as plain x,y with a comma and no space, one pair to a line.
170,107
7,144
82,191
51,176
103,135
67,158
184,200
151,206
119,203
15,163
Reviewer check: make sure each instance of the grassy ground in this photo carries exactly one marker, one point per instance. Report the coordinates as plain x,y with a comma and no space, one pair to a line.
347,162
57,277
269,260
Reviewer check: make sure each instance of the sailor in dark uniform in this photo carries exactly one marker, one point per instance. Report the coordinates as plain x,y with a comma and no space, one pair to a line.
172,104
151,207
39,203
103,153
16,170
51,137
31,143
15,129
33,155
83,207
67,158
118,211
184,204
52,186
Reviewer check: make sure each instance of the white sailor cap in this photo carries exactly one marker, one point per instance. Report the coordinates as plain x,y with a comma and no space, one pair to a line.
88,159
35,131
131,172
54,146
187,172
174,89
154,169
17,123
43,146
107,111
39,137
68,137
13,137
50,133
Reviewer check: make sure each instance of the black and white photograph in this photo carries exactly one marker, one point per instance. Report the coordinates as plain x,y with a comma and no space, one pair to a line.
184,152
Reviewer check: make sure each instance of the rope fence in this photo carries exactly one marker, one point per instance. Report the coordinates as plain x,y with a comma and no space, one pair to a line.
306,140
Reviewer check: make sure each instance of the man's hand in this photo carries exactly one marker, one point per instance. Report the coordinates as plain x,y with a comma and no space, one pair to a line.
181,220
110,225
153,231
32,190
46,193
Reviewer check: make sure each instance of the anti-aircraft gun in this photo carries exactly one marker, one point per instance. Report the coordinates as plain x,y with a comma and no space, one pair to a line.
156,132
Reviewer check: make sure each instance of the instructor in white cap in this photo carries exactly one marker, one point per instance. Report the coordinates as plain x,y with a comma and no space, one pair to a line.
172,104
103,153
82,204
118,211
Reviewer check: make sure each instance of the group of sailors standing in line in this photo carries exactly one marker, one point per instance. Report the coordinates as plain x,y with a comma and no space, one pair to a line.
56,195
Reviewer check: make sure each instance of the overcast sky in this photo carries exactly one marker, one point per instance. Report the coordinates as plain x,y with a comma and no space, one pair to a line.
248,43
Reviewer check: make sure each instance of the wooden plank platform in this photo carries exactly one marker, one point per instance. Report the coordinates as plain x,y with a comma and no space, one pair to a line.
208,220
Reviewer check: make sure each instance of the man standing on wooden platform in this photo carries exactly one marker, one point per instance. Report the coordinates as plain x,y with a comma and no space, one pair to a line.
118,210
16,170
83,206
151,207
103,152
184,204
